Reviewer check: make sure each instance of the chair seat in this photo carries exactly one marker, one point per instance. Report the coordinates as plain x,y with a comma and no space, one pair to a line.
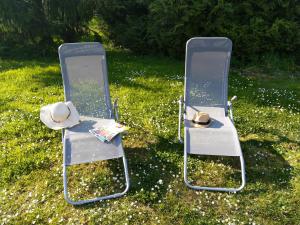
220,138
83,147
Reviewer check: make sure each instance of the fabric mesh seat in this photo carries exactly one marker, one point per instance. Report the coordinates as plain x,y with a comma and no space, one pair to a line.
220,138
82,147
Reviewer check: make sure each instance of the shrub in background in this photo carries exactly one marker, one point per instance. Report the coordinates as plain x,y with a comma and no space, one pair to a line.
154,26
255,26
41,21
127,22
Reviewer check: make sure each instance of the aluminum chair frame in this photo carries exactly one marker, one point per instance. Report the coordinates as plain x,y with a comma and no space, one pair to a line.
182,113
113,114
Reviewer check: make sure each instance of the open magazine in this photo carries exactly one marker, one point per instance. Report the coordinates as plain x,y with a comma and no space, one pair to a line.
106,133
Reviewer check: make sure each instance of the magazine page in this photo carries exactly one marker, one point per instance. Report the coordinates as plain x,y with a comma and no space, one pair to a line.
106,133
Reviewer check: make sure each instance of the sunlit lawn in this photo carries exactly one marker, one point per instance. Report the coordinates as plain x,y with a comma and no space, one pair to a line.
266,116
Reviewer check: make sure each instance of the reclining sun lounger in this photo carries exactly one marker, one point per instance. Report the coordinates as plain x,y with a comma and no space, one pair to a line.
206,87
83,67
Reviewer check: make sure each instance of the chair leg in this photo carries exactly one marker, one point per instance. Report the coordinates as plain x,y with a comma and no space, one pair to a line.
243,176
80,202
179,119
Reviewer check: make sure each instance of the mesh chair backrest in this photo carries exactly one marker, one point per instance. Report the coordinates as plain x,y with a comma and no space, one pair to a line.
83,67
206,72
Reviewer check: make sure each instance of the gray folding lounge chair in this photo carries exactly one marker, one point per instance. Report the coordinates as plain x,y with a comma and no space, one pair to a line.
83,67
206,83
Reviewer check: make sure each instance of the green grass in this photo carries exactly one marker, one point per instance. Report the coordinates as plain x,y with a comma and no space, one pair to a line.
267,117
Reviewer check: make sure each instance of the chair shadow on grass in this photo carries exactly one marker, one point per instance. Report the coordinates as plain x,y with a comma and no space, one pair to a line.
265,166
157,160
162,159
146,168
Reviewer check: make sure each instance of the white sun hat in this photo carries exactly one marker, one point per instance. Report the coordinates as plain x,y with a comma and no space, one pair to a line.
59,115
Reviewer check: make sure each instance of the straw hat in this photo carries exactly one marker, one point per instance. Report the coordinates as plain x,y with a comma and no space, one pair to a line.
59,115
201,119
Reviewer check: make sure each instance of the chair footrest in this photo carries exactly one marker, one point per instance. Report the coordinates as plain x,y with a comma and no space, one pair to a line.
212,142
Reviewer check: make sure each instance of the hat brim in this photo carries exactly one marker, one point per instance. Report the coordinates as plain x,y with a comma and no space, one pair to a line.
201,125
72,120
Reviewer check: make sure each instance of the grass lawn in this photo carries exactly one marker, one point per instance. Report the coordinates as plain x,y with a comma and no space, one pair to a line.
267,117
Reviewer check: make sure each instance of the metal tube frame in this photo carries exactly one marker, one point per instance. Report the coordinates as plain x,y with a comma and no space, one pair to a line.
230,111
185,165
80,202
185,174
180,102
116,195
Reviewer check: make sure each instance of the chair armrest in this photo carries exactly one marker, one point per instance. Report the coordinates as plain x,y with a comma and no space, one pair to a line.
115,109
230,107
